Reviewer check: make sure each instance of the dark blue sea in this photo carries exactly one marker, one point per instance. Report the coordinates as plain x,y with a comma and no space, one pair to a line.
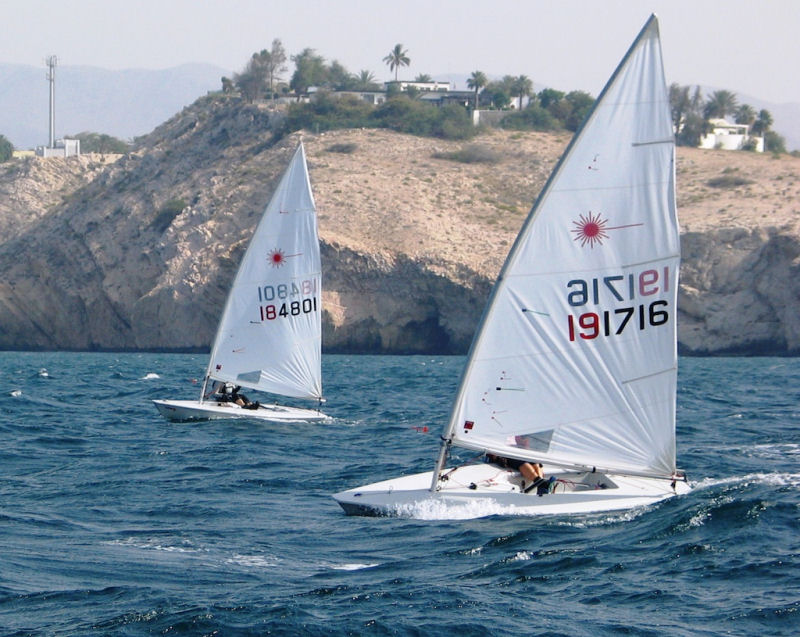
116,522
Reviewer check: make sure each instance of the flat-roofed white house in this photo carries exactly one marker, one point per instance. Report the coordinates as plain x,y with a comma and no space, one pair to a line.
727,136
403,85
61,148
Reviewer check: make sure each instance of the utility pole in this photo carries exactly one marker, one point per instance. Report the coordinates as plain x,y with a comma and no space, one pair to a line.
51,76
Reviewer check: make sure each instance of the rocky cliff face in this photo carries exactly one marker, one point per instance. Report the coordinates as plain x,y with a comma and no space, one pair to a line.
138,253
740,291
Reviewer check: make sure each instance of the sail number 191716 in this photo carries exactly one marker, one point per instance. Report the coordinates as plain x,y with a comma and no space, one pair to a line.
611,290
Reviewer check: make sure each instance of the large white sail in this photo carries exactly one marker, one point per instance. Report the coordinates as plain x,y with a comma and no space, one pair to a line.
575,361
269,337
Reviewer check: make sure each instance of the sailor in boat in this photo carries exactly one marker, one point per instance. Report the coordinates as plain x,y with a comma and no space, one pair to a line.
532,473
228,394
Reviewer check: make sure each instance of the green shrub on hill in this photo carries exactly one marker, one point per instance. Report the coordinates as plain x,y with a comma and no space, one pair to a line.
399,113
534,117
406,115
101,143
473,154
326,112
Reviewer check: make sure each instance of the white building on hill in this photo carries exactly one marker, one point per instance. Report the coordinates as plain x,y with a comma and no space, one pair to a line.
62,148
727,136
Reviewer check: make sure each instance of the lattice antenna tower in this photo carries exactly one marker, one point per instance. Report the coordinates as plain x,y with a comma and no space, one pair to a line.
51,62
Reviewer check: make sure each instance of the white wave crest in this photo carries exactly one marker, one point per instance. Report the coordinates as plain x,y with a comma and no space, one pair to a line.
522,556
771,479
698,519
353,567
437,509
253,561
780,450
153,545
603,519
151,376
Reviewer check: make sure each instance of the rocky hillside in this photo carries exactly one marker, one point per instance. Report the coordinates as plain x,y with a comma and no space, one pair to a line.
138,253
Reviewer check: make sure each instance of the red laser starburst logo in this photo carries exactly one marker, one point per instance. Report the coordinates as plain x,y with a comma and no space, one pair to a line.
590,229
277,258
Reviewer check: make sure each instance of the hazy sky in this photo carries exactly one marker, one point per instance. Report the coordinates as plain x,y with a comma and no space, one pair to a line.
748,47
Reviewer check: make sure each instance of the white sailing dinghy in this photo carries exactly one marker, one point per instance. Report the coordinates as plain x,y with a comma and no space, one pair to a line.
574,364
270,335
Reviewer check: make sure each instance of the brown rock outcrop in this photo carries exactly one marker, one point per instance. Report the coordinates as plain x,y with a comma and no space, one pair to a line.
138,253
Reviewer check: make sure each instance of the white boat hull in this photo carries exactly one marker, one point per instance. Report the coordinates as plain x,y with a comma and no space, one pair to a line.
186,410
474,491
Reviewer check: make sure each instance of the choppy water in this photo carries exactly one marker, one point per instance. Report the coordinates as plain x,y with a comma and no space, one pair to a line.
115,522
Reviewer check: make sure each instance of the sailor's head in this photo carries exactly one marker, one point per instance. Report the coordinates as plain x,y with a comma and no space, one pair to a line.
228,388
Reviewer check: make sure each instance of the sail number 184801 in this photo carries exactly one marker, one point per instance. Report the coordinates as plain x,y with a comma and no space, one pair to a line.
272,311
285,300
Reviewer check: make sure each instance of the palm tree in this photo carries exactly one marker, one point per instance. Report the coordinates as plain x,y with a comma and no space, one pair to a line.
720,104
680,104
366,80
396,59
522,87
762,124
476,82
423,77
745,114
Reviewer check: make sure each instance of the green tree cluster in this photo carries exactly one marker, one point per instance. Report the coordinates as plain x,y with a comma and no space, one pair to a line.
551,110
101,143
312,70
261,74
548,110
691,115
6,149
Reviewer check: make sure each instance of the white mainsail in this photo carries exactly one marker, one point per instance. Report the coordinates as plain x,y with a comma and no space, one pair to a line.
269,337
575,361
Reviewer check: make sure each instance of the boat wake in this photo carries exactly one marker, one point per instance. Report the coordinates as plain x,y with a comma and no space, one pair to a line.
184,549
770,479
483,508
437,509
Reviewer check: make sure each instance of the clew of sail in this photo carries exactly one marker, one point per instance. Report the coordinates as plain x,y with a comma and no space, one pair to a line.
575,361
269,337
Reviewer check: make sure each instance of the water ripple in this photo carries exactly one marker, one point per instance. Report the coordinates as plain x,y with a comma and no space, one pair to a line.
114,521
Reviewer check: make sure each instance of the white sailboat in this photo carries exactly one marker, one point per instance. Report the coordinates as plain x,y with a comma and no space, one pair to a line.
574,364
269,338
